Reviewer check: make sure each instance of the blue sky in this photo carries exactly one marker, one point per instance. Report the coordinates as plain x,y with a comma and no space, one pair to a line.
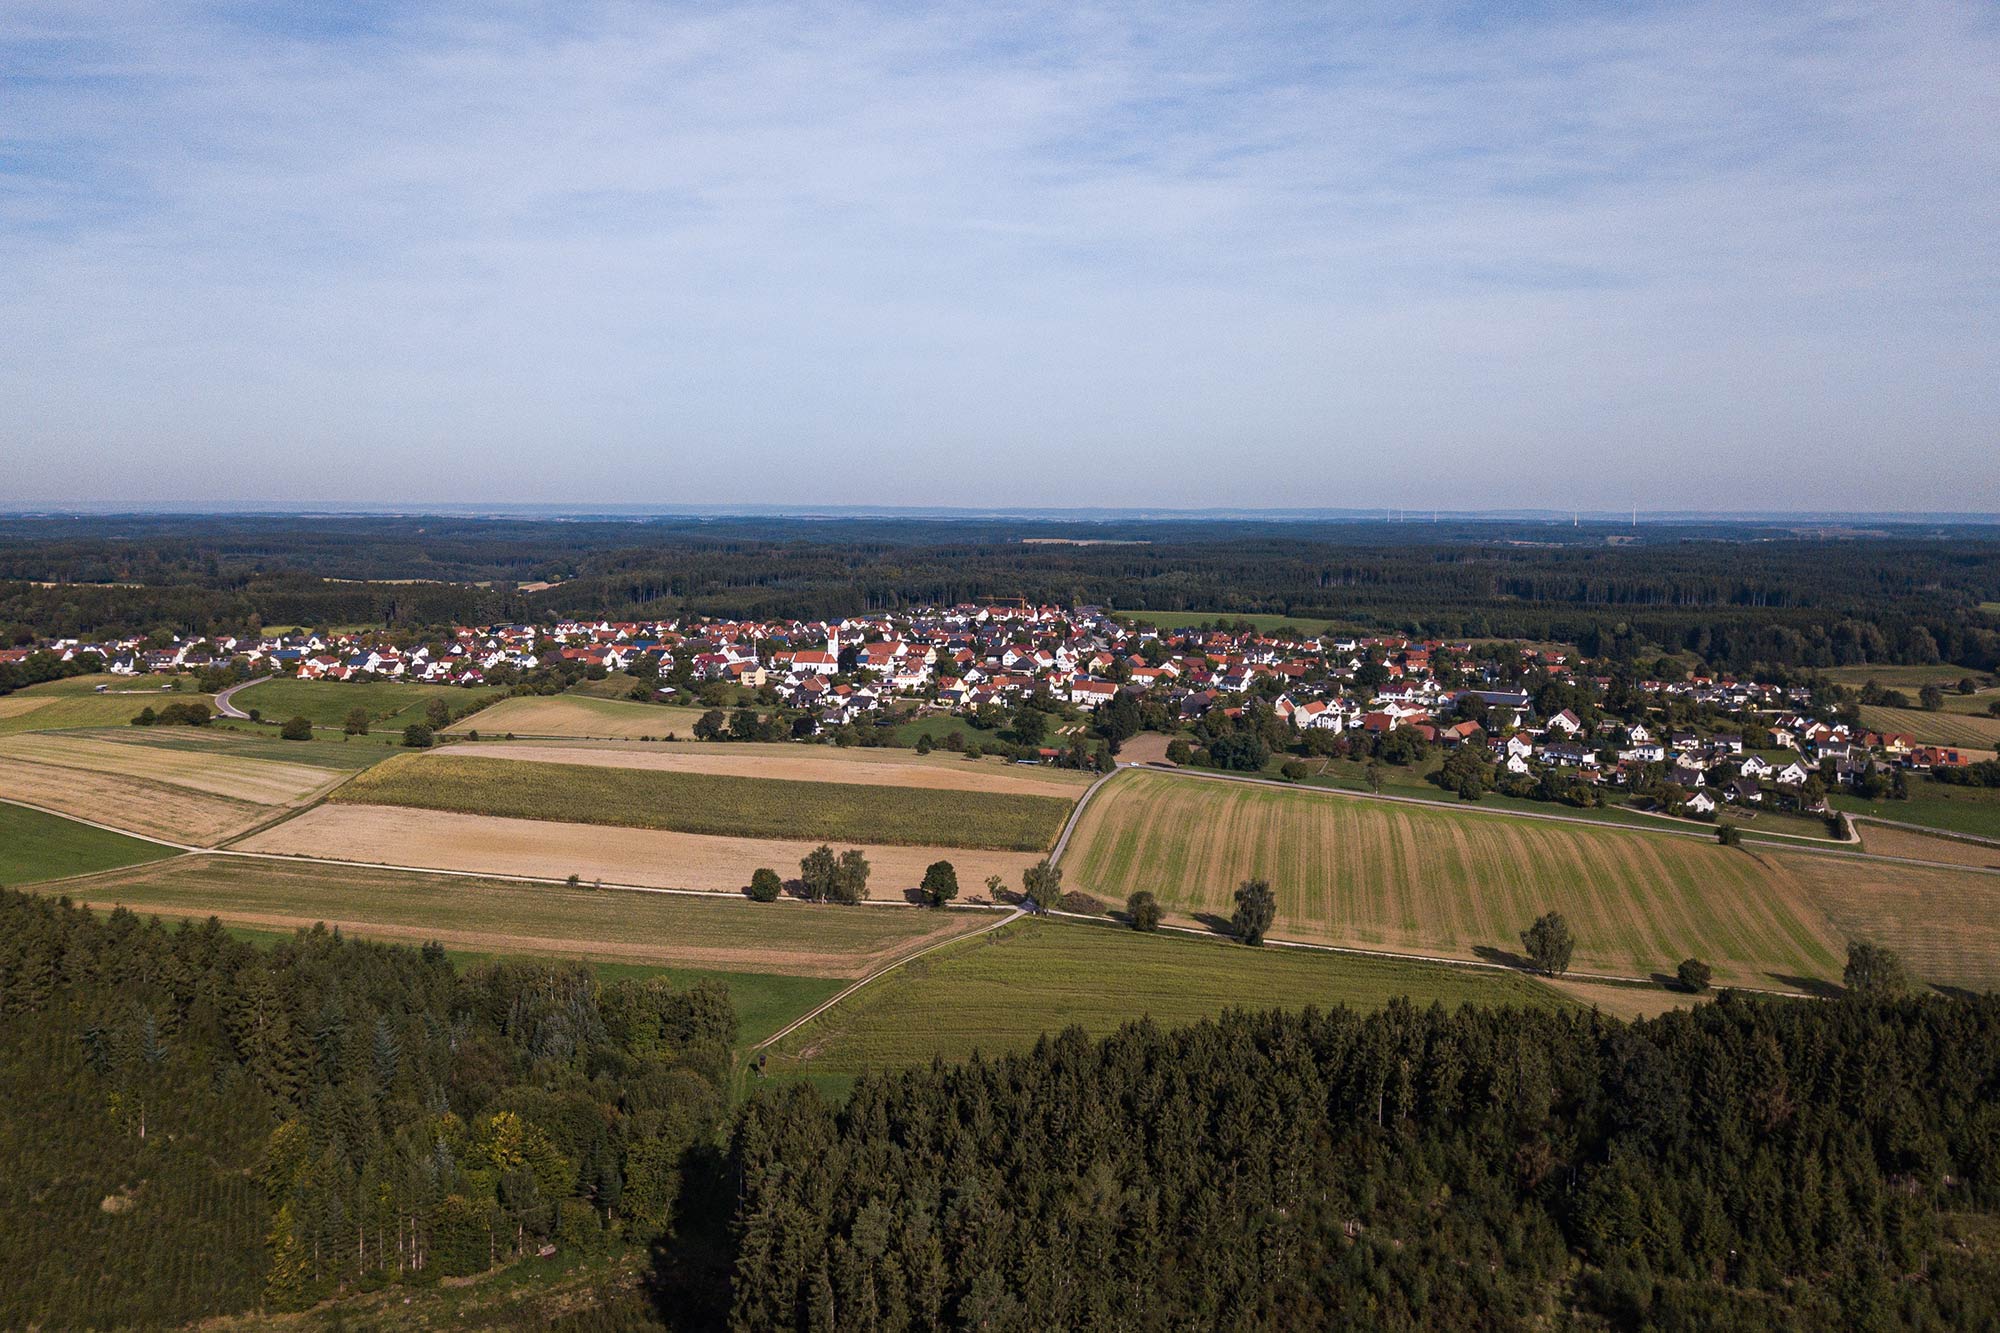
1467,256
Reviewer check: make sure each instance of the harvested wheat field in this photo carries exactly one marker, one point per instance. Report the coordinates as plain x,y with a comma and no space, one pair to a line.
1886,841
497,916
179,790
571,715
386,835
1458,884
1945,923
799,763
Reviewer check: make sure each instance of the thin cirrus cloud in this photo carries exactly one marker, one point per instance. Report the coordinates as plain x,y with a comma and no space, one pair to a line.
1704,255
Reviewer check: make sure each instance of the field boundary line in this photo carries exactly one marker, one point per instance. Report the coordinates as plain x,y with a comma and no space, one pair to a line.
1076,811
883,971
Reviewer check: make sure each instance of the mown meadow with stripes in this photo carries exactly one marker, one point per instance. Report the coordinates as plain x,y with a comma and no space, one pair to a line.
1460,883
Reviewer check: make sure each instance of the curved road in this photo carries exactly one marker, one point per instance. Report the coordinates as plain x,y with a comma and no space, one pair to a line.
223,697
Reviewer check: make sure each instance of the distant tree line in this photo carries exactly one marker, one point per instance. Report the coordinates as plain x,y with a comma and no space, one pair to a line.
1785,602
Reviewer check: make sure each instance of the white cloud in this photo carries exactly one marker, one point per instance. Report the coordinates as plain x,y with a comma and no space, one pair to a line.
1687,255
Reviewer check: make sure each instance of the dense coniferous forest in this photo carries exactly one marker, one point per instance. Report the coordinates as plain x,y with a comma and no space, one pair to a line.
1737,596
1752,1165
195,1125
192,1125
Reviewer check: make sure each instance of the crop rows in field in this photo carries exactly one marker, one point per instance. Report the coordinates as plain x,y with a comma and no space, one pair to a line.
1401,877
509,917
1004,989
711,803
1979,733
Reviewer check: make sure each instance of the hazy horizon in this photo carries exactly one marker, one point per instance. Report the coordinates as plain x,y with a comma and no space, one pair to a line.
1693,258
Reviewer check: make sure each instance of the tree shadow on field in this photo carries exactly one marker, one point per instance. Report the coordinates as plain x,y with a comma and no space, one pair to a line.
1486,953
1818,987
1220,925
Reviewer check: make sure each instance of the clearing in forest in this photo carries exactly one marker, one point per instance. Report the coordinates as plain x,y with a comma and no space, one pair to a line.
1004,989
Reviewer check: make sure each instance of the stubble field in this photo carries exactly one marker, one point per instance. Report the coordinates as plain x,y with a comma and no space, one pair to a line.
180,784
580,717
390,835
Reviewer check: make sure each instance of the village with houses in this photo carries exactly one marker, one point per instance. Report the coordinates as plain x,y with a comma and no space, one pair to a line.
1525,720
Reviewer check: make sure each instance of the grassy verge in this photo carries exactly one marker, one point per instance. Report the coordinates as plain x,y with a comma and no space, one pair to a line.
714,804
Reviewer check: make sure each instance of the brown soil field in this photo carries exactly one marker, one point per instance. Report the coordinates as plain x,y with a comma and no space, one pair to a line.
496,916
132,804
800,763
394,835
1885,841
1148,747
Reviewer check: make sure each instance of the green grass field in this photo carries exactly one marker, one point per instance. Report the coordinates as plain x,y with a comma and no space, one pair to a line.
65,705
392,705
1170,620
1002,990
729,806
938,726
37,846
1974,810
1940,728
581,717
719,933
